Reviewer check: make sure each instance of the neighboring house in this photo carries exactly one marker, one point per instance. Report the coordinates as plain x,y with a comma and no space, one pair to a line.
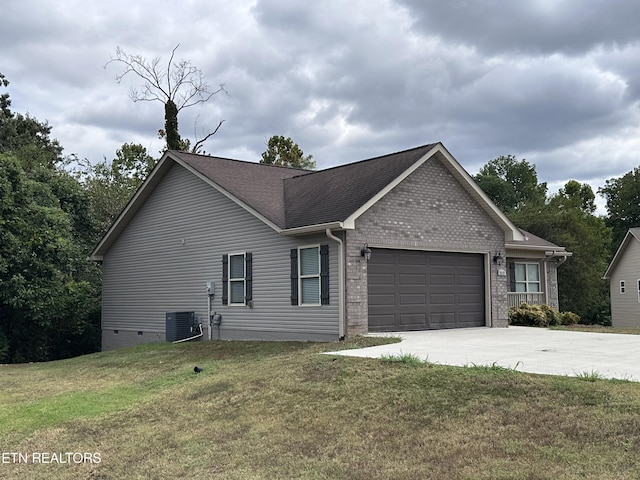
623,274
405,241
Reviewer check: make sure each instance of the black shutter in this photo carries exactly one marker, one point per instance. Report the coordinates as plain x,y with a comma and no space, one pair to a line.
225,280
324,274
248,276
294,276
512,277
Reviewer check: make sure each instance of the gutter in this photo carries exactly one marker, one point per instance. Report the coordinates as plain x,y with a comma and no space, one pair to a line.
341,276
314,229
560,257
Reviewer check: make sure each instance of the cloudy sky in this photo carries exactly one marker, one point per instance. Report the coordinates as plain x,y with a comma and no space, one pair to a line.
554,81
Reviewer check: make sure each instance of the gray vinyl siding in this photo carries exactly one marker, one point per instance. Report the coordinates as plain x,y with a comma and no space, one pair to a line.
174,245
625,308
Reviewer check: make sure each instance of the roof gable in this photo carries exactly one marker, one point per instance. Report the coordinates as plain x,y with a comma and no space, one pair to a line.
633,235
293,201
334,194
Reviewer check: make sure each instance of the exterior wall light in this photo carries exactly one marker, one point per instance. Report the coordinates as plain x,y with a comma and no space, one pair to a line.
366,252
498,259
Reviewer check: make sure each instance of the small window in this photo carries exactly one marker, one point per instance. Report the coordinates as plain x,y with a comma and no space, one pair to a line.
639,291
527,276
237,282
236,279
622,288
309,276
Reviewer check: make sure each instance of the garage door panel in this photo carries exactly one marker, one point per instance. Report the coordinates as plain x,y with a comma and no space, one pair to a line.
416,290
415,321
412,279
470,299
415,299
382,300
410,258
382,278
442,320
442,259
471,280
442,299
441,279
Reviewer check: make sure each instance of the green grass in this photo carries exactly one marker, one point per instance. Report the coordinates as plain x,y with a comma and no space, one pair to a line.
404,358
268,410
598,329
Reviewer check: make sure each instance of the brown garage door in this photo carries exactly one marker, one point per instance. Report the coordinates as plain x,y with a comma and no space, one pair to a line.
416,290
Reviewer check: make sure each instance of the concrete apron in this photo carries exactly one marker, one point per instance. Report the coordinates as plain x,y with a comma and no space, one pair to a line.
526,349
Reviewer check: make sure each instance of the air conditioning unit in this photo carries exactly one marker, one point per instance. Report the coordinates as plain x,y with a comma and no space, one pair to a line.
179,325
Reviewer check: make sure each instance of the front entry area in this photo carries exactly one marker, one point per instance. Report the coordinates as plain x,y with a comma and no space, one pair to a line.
418,290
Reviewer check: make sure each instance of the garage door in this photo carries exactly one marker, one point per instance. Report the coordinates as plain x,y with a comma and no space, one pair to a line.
416,290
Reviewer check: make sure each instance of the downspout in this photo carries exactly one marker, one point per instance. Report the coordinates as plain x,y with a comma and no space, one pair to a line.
341,303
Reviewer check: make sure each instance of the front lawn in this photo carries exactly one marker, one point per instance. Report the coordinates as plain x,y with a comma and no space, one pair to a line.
267,410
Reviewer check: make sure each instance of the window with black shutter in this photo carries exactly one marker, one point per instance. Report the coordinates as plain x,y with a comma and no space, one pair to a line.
310,275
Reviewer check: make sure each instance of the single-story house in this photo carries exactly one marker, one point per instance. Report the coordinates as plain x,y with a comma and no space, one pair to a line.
623,274
404,241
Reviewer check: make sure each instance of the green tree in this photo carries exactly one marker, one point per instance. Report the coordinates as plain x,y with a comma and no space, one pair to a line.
285,152
44,273
177,85
49,291
567,219
622,197
511,183
575,195
111,184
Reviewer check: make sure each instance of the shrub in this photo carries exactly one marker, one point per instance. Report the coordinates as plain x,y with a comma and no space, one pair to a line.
528,316
569,318
540,316
553,316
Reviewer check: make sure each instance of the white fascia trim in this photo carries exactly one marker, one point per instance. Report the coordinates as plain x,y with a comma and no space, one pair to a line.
231,197
512,232
322,227
618,255
354,216
559,250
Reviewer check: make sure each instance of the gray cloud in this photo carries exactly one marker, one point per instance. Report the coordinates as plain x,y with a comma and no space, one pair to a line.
555,82
532,27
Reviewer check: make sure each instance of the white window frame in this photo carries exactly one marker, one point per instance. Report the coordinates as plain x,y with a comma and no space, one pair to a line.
526,281
301,277
622,287
242,279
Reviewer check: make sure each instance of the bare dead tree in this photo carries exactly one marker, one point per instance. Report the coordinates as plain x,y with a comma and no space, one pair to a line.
178,85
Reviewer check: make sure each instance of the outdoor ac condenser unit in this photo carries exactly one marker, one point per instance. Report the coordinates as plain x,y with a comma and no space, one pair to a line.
178,325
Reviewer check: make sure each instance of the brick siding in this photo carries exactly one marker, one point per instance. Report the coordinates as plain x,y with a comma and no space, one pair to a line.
429,210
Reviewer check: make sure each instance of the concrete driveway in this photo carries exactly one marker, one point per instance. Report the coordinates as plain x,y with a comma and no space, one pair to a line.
526,349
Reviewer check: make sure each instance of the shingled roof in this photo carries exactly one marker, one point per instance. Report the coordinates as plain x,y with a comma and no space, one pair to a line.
294,201
257,185
332,195
292,197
